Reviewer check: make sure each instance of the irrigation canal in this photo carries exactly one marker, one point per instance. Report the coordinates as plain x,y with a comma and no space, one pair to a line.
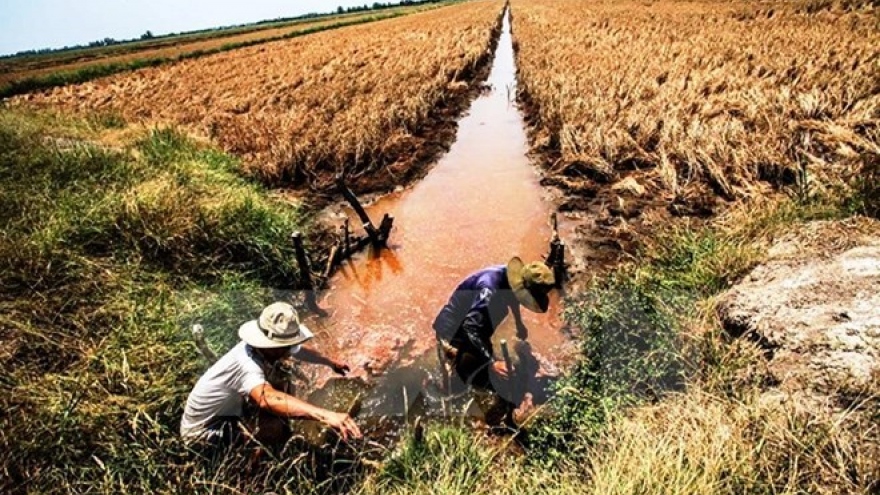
480,204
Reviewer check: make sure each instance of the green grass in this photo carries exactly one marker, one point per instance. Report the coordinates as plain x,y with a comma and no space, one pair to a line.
449,460
108,256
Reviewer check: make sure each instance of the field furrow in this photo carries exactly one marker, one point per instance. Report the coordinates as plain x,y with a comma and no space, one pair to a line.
692,100
299,111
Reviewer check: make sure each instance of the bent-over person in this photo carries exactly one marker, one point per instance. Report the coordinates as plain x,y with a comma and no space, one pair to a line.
477,307
235,393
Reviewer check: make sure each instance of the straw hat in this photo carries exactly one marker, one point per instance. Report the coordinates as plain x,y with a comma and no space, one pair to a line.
530,283
278,326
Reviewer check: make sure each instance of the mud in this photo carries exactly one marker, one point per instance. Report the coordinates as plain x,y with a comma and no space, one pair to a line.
813,306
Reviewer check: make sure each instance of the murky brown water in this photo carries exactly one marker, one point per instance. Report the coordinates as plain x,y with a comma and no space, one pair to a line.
478,206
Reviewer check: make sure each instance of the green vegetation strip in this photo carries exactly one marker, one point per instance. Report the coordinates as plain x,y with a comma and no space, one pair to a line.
92,72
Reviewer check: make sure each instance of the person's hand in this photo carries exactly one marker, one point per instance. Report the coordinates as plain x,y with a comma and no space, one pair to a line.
344,425
340,368
500,369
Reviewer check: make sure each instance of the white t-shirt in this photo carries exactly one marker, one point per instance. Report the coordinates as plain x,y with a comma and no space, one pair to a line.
221,391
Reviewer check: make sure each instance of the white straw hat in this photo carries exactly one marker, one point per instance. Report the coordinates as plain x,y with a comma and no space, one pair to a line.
278,326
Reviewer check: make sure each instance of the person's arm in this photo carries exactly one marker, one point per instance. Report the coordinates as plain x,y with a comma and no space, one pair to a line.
472,327
287,406
522,332
477,323
312,355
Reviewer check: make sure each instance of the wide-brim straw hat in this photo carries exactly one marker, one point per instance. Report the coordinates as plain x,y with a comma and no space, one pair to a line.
278,326
531,284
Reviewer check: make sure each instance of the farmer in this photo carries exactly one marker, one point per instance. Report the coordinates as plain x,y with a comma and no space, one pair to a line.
479,304
235,391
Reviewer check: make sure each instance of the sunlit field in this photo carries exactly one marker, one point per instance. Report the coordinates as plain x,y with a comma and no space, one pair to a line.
695,98
299,111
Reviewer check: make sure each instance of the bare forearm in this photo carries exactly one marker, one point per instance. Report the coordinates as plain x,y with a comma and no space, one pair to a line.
288,406
521,331
310,355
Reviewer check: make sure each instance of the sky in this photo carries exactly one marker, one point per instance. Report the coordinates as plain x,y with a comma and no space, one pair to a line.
35,24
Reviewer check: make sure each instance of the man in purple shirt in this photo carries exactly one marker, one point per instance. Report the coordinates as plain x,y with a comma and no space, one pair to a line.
479,304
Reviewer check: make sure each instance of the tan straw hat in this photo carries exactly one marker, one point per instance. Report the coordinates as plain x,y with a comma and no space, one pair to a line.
530,283
278,326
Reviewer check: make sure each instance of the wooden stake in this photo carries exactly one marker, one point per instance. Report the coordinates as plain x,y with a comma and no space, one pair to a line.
418,431
305,275
356,206
331,260
199,336
509,363
347,235
556,257
385,228
444,371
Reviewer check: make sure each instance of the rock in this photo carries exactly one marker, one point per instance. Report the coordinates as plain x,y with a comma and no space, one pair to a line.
630,186
816,308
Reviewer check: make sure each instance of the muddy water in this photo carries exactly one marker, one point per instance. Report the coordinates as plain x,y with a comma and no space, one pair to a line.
478,206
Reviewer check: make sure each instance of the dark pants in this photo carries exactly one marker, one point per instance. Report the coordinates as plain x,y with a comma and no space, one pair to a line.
233,431
474,370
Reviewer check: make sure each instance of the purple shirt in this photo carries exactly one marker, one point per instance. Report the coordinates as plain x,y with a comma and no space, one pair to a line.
476,308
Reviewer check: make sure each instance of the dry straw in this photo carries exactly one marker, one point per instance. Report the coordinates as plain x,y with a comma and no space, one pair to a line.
701,95
302,110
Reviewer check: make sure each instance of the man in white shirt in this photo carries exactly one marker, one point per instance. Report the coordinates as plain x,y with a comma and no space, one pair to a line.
215,409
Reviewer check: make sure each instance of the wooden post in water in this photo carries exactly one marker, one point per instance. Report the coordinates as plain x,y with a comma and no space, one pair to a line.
305,275
347,236
444,371
511,375
358,209
419,431
331,260
385,229
556,258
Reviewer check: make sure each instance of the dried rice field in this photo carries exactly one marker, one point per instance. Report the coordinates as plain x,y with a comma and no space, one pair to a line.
299,111
698,99
17,69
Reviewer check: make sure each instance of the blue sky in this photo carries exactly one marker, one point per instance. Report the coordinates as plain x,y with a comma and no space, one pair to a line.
34,24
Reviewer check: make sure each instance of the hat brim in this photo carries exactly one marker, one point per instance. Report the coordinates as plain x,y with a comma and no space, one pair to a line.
252,335
534,300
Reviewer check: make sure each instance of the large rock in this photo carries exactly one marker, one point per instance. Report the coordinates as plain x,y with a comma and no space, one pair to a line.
815,306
